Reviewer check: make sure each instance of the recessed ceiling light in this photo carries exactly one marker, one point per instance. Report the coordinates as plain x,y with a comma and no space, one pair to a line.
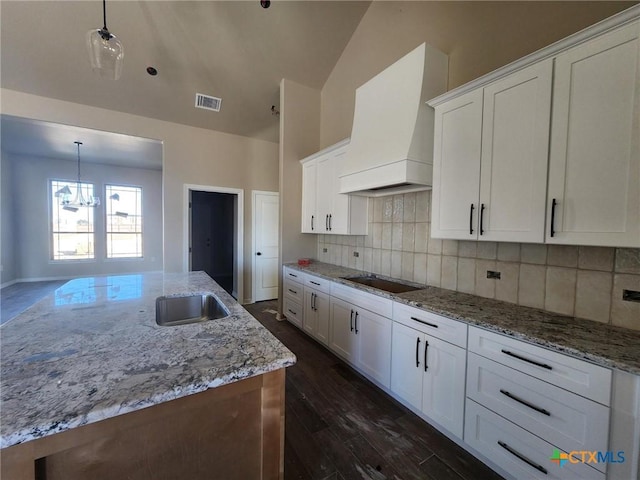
265,3
152,71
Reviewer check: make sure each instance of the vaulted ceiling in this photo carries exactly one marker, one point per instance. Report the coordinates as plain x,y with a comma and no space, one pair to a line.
235,50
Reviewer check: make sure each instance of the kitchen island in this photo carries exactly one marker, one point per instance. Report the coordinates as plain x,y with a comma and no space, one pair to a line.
93,388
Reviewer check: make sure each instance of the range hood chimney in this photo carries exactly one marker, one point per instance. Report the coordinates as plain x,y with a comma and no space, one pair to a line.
391,149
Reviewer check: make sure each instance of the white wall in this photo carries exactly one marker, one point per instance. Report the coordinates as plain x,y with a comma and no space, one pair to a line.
31,177
191,156
7,259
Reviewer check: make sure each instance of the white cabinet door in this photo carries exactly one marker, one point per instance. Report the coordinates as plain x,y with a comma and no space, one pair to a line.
325,192
321,304
456,167
342,338
444,383
406,364
310,319
513,167
309,186
373,334
339,220
594,170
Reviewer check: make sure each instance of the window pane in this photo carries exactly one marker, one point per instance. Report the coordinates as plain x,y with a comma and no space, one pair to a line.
124,221
72,231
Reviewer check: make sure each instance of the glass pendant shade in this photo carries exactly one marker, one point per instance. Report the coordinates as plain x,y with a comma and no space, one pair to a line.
106,53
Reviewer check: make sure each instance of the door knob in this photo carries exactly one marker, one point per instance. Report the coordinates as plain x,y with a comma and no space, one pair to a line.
259,253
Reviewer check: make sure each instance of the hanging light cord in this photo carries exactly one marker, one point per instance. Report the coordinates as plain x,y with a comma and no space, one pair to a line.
78,144
105,31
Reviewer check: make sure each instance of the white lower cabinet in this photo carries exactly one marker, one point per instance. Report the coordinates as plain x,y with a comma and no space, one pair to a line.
520,453
362,338
428,373
316,314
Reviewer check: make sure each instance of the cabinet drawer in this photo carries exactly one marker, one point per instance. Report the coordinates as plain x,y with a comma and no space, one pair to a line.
374,303
564,419
522,454
434,325
317,283
577,376
293,290
294,275
293,311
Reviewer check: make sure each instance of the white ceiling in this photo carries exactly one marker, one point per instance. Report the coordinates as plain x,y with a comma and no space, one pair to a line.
35,138
235,50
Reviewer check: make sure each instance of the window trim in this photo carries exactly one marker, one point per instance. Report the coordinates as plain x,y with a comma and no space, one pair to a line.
107,258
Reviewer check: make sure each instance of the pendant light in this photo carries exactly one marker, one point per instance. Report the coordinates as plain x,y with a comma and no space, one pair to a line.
79,200
105,50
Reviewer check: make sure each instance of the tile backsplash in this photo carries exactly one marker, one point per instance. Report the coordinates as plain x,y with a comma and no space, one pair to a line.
580,281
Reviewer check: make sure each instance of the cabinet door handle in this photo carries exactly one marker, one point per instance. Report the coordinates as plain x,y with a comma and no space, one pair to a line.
524,359
351,321
426,347
522,457
293,291
417,348
481,218
553,216
356,322
312,299
525,403
291,311
424,323
330,219
315,283
471,220
312,222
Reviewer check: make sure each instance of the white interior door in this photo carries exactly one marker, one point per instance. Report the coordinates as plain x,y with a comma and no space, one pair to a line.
265,254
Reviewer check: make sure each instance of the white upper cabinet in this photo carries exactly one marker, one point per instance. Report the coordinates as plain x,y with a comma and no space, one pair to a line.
490,160
456,167
594,170
324,209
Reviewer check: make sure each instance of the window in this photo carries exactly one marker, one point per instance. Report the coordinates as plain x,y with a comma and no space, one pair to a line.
124,221
71,228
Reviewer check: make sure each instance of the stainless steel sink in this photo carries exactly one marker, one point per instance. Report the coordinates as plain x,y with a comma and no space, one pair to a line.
381,284
188,309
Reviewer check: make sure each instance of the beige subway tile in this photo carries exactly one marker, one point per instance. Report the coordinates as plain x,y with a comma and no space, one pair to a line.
377,235
359,260
408,237
407,266
370,207
409,207
450,247
386,236
398,208
449,276
387,209
485,287
378,209
596,258
628,260
434,270
560,290
335,252
376,266
420,268
509,252
562,255
385,263
421,237
434,246
396,236
466,275
368,239
533,253
367,262
467,248
593,295
531,285
507,286
360,240
422,206
487,250
396,264
344,257
624,313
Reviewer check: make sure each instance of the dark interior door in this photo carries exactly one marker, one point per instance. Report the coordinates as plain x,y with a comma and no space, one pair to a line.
212,236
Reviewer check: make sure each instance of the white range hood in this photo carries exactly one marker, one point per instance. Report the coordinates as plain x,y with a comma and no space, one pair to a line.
391,147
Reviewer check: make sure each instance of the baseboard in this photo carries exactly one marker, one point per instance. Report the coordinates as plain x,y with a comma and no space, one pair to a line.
46,279
8,284
248,301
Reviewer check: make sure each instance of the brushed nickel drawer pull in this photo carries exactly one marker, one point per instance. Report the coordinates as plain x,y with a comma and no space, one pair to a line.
424,323
525,403
524,359
515,453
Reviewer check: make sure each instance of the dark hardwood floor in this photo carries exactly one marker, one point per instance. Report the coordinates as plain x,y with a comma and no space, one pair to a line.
339,426
16,298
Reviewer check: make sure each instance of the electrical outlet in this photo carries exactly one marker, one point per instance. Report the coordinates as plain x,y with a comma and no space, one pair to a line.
324,250
492,274
356,254
631,296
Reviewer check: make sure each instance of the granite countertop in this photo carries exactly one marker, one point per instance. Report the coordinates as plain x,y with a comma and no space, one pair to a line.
605,345
92,350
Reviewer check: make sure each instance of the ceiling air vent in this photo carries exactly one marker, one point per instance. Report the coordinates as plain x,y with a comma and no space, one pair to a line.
207,102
